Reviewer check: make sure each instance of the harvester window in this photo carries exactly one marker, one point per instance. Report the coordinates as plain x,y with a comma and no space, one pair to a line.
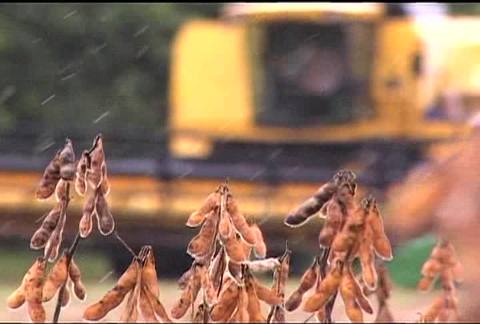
313,74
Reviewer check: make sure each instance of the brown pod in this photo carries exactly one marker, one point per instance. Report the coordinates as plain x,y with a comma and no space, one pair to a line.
278,315
149,273
105,221
130,312
207,286
41,236
105,184
308,280
241,314
198,217
67,162
326,289
217,268
431,268
76,277
268,295
115,296
425,283
367,262
17,298
202,243
260,248
57,276
33,291
52,247
352,309
434,310
298,216
332,225
321,315
97,158
234,249
61,190
253,307
239,221
85,225
235,272
281,274
223,310
188,297
359,295
381,243
146,308
158,307
351,231
65,297
225,227
81,174
185,278
50,178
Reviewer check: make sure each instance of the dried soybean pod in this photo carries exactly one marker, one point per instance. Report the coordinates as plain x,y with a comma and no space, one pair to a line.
55,279
431,268
185,278
432,313
201,244
76,276
425,283
115,296
97,158
217,269
241,314
65,297
67,161
260,248
264,265
207,286
351,231
332,225
81,173
50,177
352,309
306,283
239,221
234,249
253,307
85,225
360,297
105,221
224,308
268,295
326,289
278,314
225,226
188,297
298,216
130,313
367,259
149,273
41,236
321,315
61,190
145,306
157,305
53,244
198,217
381,243
105,184
33,290
235,272
17,298
281,274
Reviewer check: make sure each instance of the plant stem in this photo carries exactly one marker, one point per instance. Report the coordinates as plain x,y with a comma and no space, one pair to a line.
129,249
70,253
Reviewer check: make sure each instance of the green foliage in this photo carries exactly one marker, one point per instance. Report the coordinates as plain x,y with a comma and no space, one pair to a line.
408,261
79,69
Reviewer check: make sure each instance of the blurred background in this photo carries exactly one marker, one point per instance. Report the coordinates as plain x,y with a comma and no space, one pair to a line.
274,97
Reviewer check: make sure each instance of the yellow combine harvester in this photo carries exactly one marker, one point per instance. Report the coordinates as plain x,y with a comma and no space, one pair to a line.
277,97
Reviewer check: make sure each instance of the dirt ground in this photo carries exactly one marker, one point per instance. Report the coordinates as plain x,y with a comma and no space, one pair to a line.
405,304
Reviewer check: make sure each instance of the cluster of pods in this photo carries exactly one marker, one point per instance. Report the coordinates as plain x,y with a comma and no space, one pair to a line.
222,271
442,264
352,229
